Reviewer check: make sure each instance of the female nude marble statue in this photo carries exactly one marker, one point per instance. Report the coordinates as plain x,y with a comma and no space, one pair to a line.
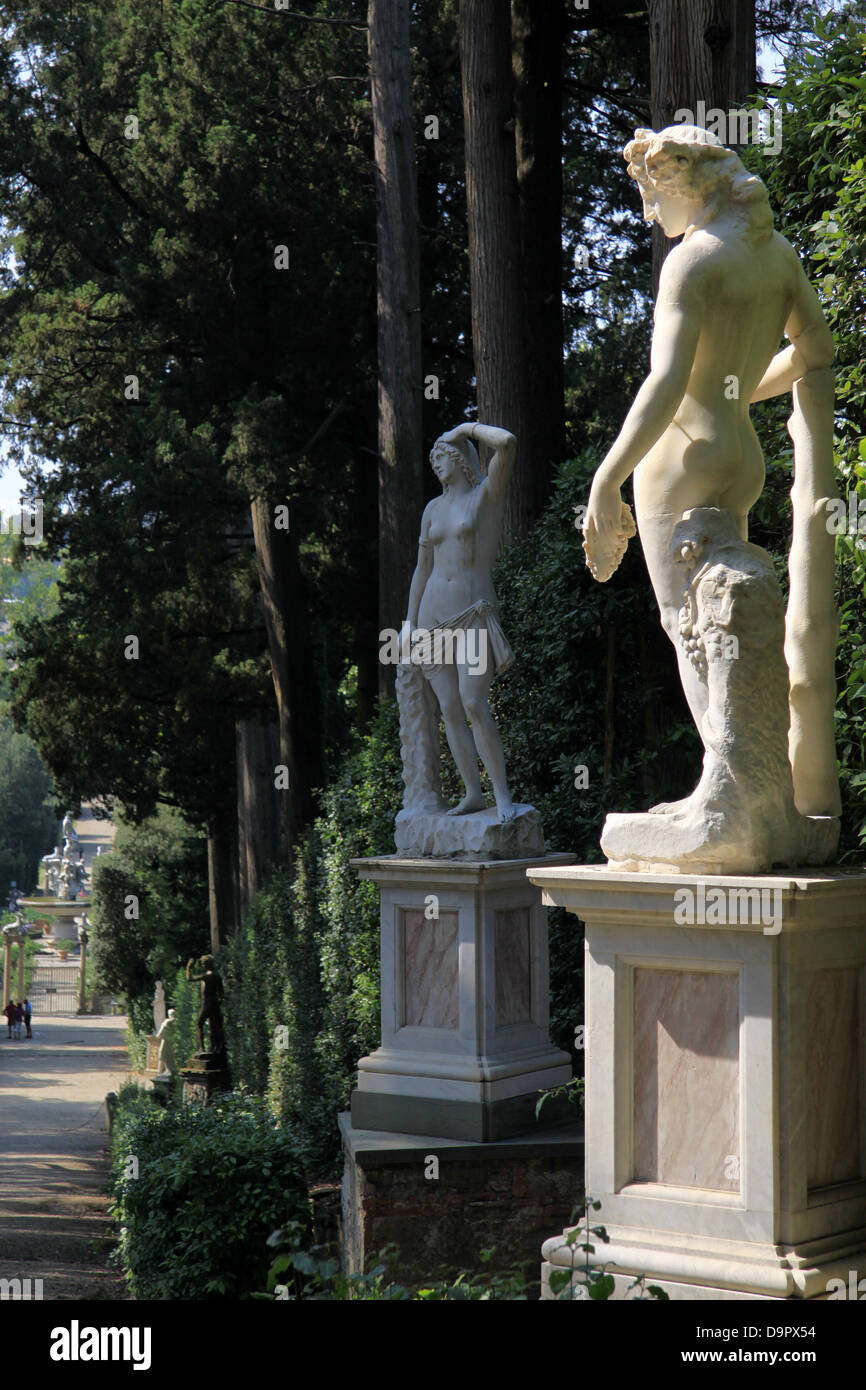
452,600
727,294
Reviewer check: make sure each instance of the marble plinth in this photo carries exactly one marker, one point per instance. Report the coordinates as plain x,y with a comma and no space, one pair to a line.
465,1046
152,1056
477,836
725,1077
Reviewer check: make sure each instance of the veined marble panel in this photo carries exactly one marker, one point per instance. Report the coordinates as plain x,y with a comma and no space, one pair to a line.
686,1078
833,1077
430,970
513,966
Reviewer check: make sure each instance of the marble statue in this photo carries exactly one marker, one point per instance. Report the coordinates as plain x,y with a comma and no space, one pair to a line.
165,1041
52,864
70,835
158,1006
457,648
756,684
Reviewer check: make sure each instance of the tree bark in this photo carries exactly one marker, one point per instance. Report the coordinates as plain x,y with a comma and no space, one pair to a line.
399,313
700,50
222,865
258,807
284,609
538,34
495,268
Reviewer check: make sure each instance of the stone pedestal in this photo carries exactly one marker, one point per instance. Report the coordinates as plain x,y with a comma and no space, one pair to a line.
204,1076
151,1064
725,1078
442,1201
465,1046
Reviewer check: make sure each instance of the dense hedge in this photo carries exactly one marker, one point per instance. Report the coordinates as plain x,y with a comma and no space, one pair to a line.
302,975
198,1191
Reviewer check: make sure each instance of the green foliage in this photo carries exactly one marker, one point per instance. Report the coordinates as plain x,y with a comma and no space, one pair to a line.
818,185
299,1273
184,996
144,153
27,822
161,863
586,689
588,1279
207,1187
302,975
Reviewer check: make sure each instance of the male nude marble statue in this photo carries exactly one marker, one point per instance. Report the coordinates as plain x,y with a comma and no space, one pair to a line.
727,294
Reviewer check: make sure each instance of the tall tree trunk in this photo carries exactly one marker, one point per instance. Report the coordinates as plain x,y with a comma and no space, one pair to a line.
495,268
538,34
399,312
258,807
700,50
283,606
222,878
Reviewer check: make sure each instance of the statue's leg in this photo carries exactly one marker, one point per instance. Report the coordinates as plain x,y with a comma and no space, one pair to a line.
199,1028
474,684
667,581
666,578
460,740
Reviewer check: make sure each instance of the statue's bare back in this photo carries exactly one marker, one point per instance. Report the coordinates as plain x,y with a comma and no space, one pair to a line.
710,455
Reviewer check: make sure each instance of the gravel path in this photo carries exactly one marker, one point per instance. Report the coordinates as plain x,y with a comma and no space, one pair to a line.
53,1167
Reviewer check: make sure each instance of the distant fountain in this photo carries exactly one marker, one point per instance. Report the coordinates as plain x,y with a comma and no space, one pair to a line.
66,892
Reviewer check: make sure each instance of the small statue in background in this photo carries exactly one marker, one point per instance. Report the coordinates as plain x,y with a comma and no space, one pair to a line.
457,648
211,1003
165,1041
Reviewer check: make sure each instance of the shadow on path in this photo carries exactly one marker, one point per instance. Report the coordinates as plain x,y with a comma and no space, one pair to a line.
53,1166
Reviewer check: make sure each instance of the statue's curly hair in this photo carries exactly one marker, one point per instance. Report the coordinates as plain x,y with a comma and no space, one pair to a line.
689,162
467,460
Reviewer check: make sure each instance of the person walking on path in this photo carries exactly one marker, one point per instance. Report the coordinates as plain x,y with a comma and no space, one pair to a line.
16,1021
9,1014
28,1014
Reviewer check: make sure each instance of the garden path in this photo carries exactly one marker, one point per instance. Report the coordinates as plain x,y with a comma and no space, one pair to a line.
53,1167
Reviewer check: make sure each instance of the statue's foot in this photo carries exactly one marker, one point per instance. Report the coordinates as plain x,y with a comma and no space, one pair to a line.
472,801
506,808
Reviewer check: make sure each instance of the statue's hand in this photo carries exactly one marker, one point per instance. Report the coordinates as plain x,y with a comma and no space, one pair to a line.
607,529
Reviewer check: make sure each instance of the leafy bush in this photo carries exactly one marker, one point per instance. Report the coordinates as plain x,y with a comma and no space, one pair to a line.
161,863
818,186
313,1275
301,976
205,1189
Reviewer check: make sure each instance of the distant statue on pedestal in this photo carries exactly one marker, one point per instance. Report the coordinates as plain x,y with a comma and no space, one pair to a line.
452,646
211,1004
158,1006
165,1042
726,295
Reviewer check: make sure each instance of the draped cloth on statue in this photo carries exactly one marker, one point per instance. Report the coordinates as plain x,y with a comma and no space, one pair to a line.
443,641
